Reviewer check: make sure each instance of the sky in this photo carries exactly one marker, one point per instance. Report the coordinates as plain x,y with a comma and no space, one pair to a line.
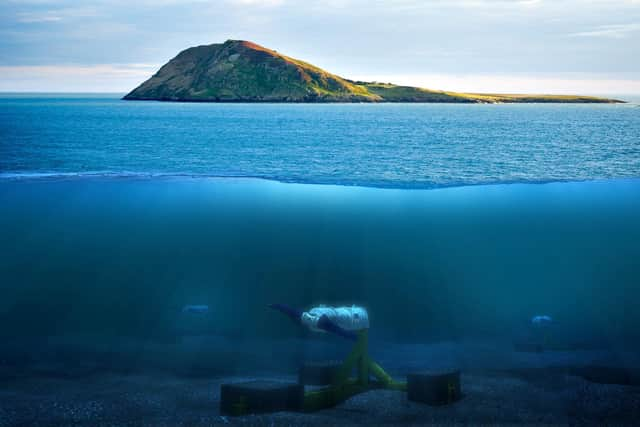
589,47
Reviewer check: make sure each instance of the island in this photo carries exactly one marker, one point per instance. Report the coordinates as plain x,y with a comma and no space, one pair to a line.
242,71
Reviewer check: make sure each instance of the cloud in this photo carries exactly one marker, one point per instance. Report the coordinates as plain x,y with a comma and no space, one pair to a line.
54,15
38,17
530,2
618,31
496,3
74,78
265,3
77,70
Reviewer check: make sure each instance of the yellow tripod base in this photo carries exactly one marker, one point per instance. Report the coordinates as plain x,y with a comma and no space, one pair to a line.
343,387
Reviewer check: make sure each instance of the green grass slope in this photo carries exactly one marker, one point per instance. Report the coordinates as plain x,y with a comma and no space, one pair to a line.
524,98
242,71
392,93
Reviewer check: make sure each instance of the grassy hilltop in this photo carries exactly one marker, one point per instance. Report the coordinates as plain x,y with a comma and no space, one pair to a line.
242,71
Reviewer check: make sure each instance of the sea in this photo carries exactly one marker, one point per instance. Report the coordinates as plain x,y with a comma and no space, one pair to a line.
453,225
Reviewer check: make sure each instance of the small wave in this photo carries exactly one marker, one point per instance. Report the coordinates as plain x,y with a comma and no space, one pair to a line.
399,185
38,175
106,174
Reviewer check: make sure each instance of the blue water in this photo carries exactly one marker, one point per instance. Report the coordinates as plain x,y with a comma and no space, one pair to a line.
114,215
122,256
410,145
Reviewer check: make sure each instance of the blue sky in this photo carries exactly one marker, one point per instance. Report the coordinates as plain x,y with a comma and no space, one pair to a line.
552,46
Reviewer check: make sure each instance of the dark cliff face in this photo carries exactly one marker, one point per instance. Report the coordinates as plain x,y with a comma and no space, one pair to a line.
242,71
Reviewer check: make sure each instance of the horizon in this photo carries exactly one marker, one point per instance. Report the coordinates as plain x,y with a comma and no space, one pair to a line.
479,46
631,97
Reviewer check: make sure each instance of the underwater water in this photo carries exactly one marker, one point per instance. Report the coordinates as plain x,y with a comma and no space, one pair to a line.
123,256
115,216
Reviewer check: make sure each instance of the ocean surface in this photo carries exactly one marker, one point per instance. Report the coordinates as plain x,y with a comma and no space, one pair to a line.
448,222
385,145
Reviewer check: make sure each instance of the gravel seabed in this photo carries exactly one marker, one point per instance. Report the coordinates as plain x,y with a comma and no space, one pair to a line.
58,383
110,399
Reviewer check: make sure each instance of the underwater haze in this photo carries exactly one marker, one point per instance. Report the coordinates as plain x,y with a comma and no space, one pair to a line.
123,256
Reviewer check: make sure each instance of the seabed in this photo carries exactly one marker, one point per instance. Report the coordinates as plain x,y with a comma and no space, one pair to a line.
508,387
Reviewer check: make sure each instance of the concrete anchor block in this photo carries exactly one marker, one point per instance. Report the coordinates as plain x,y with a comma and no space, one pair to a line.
434,387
